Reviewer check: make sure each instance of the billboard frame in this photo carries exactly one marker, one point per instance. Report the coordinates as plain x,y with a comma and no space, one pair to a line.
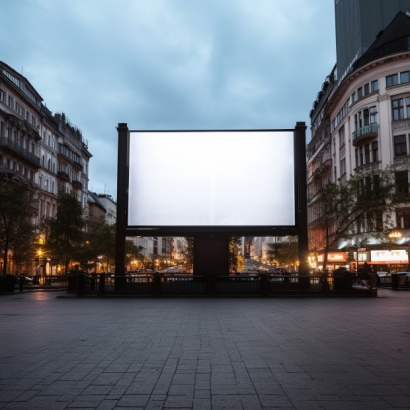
300,228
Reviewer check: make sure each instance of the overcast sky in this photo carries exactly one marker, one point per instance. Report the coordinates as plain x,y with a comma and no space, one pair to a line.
169,64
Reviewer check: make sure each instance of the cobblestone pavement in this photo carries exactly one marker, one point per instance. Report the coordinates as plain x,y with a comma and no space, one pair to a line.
283,353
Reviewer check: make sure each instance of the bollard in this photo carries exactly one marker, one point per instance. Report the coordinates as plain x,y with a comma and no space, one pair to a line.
157,285
79,284
325,284
394,281
348,290
210,284
264,281
101,289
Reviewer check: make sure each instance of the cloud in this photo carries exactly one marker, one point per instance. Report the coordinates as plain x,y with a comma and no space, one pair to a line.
216,64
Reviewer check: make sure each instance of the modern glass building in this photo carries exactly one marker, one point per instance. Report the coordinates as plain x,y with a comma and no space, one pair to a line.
358,23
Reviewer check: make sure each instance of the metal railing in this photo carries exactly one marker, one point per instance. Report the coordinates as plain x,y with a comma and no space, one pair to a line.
18,149
367,129
213,284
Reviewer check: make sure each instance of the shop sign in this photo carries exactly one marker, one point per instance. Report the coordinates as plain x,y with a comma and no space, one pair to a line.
333,257
385,257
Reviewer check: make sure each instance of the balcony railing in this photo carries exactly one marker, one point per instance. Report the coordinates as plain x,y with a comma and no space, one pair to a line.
371,130
22,152
78,165
63,175
77,184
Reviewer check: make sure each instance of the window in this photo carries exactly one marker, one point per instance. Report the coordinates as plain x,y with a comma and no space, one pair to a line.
376,185
10,102
402,182
379,221
375,149
374,85
400,145
366,117
398,110
359,93
373,115
18,108
367,89
367,153
404,77
407,107
392,80
342,137
361,156
342,166
353,97
403,218
2,96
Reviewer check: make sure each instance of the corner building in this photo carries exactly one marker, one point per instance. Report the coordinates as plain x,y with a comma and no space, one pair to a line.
362,122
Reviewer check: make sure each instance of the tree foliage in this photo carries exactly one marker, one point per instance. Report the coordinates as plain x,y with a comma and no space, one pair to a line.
17,232
355,210
236,260
66,232
101,238
288,254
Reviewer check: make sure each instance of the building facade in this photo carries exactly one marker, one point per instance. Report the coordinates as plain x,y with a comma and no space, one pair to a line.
39,149
362,122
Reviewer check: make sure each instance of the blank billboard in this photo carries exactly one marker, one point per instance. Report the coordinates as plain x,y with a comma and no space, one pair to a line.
211,179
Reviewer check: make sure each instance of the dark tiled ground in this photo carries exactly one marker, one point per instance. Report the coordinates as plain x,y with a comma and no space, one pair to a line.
307,353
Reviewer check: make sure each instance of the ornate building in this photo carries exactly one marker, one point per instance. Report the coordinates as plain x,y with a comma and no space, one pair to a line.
362,122
41,150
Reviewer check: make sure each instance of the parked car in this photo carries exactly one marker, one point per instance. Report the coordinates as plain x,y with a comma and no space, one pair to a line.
403,274
382,274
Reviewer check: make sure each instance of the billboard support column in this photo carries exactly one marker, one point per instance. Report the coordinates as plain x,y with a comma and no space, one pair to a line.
303,245
122,177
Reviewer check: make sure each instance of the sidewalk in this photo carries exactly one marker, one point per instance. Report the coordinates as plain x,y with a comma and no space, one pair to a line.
307,353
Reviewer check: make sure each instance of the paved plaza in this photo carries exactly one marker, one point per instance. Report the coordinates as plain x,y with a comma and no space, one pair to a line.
232,353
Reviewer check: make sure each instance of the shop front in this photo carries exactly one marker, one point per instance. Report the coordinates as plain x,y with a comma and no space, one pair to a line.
335,260
396,260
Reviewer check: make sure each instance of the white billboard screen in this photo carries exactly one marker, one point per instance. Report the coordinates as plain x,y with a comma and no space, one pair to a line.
211,178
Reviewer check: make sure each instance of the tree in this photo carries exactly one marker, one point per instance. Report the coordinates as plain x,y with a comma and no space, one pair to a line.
66,235
101,237
288,253
236,260
17,232
188,254
354,211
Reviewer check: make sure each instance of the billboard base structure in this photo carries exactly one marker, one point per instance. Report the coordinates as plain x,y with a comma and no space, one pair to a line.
211,254
211,243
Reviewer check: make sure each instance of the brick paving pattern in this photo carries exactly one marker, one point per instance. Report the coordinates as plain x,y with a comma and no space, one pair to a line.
232,353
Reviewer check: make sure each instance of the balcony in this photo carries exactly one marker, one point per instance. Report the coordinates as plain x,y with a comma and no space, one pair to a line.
325,166
368,131
77,184
63,175
5,143
77,165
